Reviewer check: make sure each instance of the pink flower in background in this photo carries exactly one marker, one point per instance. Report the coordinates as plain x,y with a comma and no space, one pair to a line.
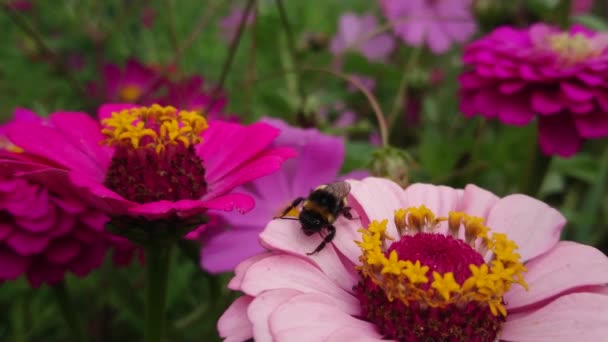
191,94
21,5
540,72
128,85
352,34
450,259
229,24
148,15
46,230
581,6
434,23
226,246
142,172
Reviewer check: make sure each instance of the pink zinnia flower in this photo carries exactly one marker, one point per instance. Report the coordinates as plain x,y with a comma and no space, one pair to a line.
430,263
352,29
129,85
434,23
581,6
46,230
153,164
224,248
540,72
229,24
190,94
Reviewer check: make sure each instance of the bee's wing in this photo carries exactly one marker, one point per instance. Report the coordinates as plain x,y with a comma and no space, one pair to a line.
338,189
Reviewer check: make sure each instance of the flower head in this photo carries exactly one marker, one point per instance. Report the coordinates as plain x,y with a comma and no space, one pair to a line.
128,85
46,230
540,72
433,23
352,31
155,162
424,263
224,248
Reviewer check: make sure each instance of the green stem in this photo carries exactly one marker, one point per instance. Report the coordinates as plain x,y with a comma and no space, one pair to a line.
400,99
158,257
593,202
69,312
536,170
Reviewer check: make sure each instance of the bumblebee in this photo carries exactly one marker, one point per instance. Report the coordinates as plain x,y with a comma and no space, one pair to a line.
320,210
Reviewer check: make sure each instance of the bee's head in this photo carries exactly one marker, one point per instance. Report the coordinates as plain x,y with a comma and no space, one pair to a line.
312,220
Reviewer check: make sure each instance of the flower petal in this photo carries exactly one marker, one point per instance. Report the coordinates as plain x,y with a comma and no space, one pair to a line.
532,224
241,202
557,134
287,236
234,325
224,251
567,266
477,201
290,272
106,110
12,265
575,317
262,307
312,317
241,269
354,335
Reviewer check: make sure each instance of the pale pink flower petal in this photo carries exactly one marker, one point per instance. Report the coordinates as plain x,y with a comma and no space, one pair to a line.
532,224
234,325
239,273
477,201
311,317
575,317
288,237
290,272
354,335
567,266
263,306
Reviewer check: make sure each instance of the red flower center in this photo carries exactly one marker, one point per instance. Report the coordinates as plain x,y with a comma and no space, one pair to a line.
462,302
155,157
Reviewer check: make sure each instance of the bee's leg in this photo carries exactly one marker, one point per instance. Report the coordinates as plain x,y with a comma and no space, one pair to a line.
294,204
331,233
346,213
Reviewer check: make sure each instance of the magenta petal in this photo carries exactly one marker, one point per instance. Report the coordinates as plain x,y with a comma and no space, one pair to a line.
241,202
515,112
313,317
574,317
576,92
567,266
12,265
106,110
26,243
42,272
61,251
5,230
162,209
546,102
558,135
532,224
592,125
234,326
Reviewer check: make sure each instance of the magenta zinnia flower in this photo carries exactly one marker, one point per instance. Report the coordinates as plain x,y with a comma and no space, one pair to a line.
153,164
425,263
433,23
223,249
46,230
128,85
558,77
352,31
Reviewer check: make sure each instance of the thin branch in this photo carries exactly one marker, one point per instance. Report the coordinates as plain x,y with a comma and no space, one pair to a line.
234,44
291,46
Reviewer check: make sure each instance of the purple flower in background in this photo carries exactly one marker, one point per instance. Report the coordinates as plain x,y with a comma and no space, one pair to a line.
581,6
352,33
128,85
229,24
319,160
434,23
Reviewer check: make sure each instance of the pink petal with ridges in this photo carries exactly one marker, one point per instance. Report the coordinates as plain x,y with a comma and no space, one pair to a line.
532,224
312,317
234,326
476,201
287,236
575,317
241,269
290,272
567,266
263,306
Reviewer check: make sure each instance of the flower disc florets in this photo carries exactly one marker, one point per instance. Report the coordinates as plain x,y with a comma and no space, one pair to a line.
433,285
155,157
